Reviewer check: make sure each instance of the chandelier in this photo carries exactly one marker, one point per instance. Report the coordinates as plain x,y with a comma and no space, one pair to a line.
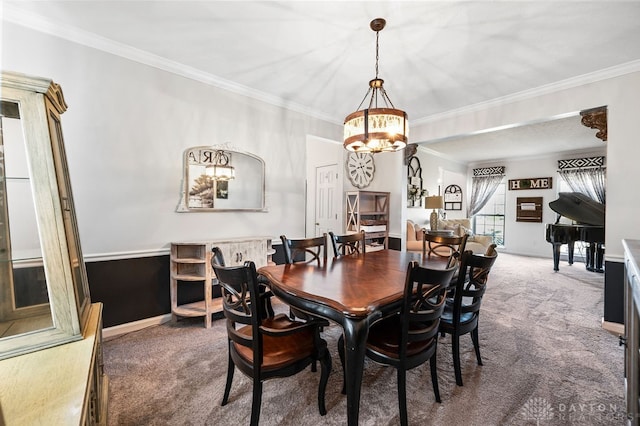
375,129
220,168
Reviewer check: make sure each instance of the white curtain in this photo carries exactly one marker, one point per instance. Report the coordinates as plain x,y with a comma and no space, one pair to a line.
588,181
482,189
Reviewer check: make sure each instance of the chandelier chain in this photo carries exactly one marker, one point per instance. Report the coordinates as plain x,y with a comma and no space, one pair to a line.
377,56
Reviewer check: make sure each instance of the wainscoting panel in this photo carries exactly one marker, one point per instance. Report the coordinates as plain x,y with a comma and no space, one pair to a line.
614,292
130,289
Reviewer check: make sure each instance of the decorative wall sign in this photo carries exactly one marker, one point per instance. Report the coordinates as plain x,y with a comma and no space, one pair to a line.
489,171
531,183
453,197
529,209
581,163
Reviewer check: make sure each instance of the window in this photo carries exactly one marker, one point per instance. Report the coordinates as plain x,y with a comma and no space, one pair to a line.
490,220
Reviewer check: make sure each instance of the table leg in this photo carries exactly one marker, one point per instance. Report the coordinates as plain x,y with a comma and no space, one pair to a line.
355,338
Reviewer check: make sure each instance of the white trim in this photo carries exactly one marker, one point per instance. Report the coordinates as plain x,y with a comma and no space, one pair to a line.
569,83
100,257
613,327
613,258
86,38
119,330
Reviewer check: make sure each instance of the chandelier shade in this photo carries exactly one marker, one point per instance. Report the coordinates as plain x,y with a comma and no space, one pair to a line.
376,129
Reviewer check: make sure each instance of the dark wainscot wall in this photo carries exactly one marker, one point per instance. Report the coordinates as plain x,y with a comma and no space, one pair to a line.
138,288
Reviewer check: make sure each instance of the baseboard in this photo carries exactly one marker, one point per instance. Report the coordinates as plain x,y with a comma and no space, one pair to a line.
129,327
613,327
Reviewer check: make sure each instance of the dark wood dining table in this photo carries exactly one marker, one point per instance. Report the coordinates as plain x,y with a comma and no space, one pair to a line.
353,291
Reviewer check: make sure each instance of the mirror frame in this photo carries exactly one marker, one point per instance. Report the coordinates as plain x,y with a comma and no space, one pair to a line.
183,206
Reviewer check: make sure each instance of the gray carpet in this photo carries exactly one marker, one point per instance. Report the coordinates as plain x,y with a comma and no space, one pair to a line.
547,361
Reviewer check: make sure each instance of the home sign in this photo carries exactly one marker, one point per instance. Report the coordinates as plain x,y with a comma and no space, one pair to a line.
530,183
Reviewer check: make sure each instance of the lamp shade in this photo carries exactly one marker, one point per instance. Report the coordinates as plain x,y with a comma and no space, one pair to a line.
434,202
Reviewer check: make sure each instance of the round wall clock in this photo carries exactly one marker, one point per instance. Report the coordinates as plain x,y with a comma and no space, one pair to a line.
360,169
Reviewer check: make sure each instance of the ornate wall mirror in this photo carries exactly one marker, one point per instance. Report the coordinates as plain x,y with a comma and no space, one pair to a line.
44,293
221,178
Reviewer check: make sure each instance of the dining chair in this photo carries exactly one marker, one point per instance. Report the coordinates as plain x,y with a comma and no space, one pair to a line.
347,244
217,258
307,250
265,348
461,313
409,338
443,246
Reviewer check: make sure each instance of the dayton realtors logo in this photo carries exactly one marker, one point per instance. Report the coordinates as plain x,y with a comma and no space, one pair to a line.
537,409
540,410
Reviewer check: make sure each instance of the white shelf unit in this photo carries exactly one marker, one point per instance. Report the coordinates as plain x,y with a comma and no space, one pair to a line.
191,262
369,211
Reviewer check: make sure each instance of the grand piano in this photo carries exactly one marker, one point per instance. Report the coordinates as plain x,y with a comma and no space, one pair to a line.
588,216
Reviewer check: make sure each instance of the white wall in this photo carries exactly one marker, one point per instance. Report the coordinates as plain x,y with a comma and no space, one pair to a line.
126,129
618,93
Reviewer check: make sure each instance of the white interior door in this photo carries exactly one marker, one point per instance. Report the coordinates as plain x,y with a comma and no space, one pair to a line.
326,217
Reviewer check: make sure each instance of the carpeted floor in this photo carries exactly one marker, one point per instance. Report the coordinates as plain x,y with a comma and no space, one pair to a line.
547,361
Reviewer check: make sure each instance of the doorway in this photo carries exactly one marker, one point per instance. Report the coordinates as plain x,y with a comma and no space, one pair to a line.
324,191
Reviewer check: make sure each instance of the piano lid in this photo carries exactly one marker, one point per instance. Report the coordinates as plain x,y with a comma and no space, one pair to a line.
580,208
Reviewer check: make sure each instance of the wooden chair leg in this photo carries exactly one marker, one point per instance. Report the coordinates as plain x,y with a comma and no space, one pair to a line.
476,344
434,377
227,389
402,396
257,401
455,344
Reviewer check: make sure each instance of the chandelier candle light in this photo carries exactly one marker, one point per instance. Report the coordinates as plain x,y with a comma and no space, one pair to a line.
376,129
220,168
434,202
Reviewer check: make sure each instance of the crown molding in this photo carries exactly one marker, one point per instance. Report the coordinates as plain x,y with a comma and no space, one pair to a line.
38,23
20,17
581,80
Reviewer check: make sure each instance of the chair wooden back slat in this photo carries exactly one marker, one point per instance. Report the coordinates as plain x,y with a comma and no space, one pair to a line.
423,303
441,245
348,244
313,249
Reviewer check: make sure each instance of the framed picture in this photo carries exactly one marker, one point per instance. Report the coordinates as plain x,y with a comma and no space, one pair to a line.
529,209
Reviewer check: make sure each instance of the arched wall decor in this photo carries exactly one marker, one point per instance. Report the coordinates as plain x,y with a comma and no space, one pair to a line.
453,197
415,192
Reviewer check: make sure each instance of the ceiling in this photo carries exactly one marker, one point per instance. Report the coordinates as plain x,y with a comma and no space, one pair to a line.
318,57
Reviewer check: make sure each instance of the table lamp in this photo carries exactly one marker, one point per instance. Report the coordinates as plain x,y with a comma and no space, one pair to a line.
434,202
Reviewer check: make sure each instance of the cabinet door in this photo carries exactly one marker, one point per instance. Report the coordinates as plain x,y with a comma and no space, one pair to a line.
256,251
236,253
